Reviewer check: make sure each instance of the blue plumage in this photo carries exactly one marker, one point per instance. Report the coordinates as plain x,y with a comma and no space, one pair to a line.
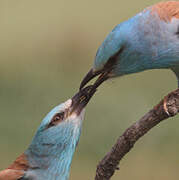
145,45
148,40
51,150
50,154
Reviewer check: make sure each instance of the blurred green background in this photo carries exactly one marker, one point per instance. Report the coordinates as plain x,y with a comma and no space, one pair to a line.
46,47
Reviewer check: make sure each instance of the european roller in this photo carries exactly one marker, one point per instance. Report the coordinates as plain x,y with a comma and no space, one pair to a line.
149,40
50,154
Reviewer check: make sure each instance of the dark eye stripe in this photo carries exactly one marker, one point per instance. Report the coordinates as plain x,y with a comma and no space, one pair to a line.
113,59
56,119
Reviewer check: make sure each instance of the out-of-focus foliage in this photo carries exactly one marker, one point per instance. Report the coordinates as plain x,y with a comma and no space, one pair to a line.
46,47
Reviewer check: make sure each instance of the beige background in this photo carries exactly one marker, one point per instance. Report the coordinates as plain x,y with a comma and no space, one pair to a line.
46,47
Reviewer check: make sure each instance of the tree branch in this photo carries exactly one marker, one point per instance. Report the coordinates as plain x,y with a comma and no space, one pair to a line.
125,143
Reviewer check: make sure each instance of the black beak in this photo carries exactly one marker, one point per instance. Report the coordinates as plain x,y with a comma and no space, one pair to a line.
81,99
104,73
91,75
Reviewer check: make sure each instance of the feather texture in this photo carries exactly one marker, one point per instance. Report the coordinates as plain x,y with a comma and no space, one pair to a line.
11,174
166,10
16,170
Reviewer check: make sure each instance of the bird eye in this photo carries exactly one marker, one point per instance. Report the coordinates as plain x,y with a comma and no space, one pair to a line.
58,116
56,119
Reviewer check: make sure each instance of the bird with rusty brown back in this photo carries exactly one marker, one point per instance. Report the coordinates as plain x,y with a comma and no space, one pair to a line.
50,154
149,40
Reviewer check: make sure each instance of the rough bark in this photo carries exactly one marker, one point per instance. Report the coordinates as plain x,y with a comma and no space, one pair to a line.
125,143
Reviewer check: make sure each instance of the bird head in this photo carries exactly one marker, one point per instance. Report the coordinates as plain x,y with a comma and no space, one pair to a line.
106,63
59,132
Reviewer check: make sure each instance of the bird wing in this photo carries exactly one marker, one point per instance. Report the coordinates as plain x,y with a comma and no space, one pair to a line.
21,163
16,170
166,10
11,174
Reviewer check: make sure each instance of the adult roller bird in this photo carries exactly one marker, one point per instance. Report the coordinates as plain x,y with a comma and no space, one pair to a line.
50,154
149,40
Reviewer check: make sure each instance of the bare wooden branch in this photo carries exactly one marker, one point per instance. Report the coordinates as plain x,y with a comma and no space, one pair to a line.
125,143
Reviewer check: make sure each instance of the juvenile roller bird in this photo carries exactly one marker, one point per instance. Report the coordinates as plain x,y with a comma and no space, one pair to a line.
50,154
149,40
